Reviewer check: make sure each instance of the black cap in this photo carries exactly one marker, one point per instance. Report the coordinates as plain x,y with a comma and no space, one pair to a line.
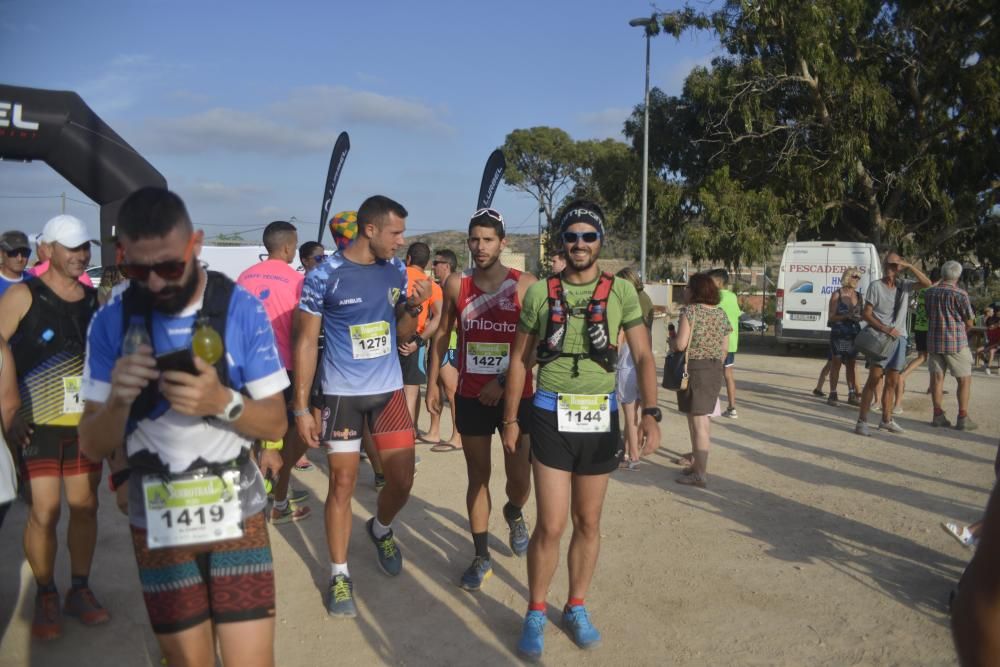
582,210
14,240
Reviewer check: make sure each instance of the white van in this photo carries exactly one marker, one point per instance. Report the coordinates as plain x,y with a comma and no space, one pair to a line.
810,272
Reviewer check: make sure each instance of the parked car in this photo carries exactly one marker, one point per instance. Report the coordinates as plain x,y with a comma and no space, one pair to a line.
751,323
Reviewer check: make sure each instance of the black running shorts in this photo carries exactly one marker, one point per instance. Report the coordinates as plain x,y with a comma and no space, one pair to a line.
474,418
578,453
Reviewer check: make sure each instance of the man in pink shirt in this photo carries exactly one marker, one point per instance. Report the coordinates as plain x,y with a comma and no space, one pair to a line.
279,286
42,243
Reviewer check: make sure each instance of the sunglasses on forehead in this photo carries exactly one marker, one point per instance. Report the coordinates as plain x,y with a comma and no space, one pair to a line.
586,237
490,213
171,269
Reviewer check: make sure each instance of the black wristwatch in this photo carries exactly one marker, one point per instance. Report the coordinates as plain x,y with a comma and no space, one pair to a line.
654,413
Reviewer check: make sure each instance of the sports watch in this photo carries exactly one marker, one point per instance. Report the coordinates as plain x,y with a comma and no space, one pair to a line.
413,311
653,412
233,409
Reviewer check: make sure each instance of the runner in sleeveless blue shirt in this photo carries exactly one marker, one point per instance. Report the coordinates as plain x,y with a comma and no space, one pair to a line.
358,296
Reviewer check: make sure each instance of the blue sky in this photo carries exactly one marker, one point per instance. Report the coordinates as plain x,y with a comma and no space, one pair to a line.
237,104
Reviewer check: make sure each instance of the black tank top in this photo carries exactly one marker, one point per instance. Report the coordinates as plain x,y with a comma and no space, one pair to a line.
48,349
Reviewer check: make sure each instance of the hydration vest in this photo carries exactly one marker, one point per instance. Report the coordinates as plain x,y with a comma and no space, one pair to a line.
215,306
602,352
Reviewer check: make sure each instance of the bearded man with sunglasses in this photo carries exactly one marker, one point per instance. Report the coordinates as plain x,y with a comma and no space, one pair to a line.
45,319
485,305
574,319
14,253
196,497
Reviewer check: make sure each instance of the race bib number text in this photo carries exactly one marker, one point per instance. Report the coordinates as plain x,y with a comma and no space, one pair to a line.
370,340
192,511
71,395
487,358
584,413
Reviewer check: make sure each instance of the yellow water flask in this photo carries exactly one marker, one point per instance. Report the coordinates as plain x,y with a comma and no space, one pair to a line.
206,341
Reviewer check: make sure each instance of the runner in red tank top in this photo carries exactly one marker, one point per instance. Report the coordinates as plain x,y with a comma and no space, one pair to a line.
485,304
487,324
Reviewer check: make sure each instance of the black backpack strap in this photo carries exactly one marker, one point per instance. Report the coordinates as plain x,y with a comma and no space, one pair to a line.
215,306
134,305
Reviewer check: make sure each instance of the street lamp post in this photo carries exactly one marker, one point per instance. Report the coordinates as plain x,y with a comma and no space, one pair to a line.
644,23
541,240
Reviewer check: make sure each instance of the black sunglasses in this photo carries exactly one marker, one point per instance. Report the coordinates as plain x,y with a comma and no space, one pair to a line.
19,252
586,237
170,270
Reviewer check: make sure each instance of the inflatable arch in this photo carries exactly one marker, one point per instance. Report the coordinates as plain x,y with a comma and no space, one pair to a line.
58,128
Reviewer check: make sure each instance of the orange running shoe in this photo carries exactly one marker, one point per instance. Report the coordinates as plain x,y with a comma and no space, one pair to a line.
81,603
46,624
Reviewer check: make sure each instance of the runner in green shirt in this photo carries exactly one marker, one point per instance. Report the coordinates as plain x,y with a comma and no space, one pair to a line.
920,327
731,307
575,440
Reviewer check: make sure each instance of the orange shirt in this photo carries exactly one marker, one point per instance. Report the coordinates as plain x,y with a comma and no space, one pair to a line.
414,274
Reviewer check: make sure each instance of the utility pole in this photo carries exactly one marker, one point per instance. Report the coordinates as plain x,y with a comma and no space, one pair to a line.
541,241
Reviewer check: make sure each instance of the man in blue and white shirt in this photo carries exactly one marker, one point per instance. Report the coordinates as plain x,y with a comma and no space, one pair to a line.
359,298
188,430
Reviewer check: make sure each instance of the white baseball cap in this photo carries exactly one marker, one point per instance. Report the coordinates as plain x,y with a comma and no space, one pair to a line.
66,230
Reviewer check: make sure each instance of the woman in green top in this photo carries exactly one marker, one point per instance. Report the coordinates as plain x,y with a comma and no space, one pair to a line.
703,330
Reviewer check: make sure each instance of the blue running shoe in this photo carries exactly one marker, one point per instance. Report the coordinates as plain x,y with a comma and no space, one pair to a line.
576,621
519,536
532,639
480,570
390,558
341,601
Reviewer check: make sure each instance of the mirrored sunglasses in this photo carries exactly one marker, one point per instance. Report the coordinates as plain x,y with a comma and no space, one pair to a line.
586,237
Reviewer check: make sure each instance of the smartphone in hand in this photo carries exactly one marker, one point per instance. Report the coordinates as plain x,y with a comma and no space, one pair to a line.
181,359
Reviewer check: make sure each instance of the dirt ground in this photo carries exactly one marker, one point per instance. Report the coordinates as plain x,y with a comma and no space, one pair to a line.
811,546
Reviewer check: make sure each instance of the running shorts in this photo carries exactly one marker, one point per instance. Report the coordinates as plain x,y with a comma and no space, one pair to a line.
226,581
474,418
920,338
730,360
410,365
578,453
387,417
54,451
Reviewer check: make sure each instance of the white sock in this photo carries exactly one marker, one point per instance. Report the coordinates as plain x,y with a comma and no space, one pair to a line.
281,505
378,530
339,568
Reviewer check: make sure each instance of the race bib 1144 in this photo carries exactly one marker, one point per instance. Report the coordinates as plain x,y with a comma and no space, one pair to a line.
584,413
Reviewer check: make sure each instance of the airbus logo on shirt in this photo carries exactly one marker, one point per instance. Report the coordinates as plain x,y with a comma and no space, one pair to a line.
346,302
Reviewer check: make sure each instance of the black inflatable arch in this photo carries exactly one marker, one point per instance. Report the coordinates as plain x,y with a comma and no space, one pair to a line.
58,128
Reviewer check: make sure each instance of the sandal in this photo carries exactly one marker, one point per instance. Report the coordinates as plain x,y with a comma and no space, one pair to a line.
445,447
687,471
694,479
684,459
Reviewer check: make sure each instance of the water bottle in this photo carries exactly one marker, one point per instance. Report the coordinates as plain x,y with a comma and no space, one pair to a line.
206,341
135,336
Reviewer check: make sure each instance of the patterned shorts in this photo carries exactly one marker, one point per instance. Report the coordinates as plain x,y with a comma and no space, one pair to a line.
225,581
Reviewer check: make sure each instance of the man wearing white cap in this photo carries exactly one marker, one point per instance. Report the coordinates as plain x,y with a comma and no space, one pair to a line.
66,225
46,322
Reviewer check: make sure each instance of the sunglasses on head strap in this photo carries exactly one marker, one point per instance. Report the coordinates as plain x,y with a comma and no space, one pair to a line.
171,269
490,213
586,237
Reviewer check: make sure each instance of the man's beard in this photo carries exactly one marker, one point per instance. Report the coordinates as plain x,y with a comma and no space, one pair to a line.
583,264
173,299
